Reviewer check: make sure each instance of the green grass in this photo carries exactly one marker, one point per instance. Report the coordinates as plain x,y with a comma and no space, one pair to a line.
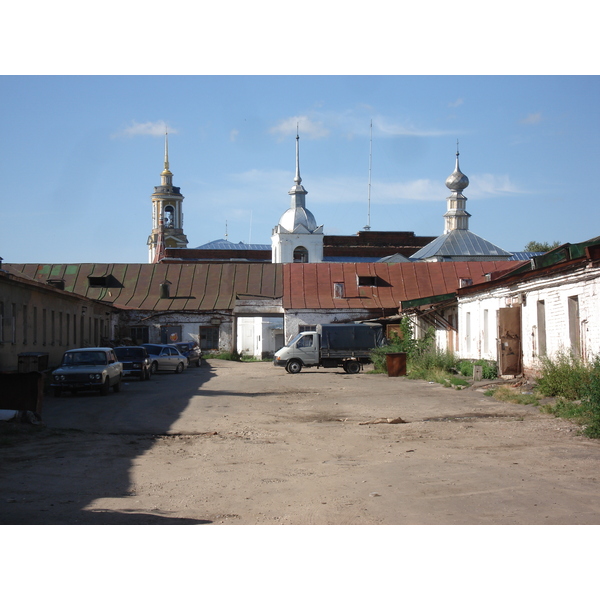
576,386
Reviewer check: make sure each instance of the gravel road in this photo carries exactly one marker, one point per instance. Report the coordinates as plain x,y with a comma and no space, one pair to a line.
247,443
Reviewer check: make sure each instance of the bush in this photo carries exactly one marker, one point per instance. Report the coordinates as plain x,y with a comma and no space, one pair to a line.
578,388
489,371
564,376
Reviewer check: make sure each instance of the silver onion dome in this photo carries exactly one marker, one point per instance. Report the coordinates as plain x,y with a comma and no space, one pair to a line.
458,181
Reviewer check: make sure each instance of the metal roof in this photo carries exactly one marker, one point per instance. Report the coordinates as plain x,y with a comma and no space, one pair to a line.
460,242
311,286
192,287
227,245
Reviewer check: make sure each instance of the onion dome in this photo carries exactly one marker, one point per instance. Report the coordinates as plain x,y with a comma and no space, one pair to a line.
458,181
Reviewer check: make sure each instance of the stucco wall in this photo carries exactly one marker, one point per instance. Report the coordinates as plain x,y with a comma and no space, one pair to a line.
40,319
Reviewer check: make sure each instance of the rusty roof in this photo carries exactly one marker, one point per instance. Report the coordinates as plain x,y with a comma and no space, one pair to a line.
192,287
310,286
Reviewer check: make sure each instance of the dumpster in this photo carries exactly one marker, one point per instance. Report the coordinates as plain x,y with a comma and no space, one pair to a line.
32,361
396,364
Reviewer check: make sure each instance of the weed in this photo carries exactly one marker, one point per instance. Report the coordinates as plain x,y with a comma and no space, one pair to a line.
514,396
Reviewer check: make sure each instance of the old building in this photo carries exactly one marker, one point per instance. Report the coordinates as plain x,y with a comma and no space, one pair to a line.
37,315
520,313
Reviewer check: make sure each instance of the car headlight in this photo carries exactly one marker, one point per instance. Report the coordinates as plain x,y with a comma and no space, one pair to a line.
59,378
95,376
136,365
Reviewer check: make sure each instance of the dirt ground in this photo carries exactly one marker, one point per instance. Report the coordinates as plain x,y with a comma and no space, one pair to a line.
247,443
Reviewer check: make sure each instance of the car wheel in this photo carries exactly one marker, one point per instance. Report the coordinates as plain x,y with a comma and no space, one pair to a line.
199,362
57,392
153,368
105,387
352,367
179,368
294,366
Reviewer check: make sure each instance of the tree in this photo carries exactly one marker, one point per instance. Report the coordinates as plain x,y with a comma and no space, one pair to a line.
541,246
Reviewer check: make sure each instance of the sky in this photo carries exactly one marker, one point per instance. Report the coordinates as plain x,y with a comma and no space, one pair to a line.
82,143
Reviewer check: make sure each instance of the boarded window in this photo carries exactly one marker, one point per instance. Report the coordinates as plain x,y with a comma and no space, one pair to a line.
541,327
574,336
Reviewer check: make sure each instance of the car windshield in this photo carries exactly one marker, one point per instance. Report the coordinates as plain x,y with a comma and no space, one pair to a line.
293,341
123,353
84,358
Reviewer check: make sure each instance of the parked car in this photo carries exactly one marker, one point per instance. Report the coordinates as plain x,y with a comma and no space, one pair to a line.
165,357
135,360
87,369
191,351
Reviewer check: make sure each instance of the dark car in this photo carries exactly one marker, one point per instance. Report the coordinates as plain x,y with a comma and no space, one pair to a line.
136,361
191,351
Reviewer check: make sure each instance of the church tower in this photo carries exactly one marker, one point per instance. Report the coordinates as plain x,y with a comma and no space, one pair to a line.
296,238
457,243
167,214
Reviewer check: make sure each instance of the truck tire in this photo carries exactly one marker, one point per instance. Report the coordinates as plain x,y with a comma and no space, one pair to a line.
352,367
293,367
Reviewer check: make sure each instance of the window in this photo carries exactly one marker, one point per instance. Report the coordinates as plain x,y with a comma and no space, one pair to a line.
302,328
369,281
300,255
13,325
169,221
44,326
1,321
338,290
486,332
52,328
468,331
209,338
25,323
139,335
541,327
306,341
35,325
574,335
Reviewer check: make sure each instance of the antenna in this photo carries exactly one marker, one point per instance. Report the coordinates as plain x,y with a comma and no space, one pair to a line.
368,225
250,236
226,234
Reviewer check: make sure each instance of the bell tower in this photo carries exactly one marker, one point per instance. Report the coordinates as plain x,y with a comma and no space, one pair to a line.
167,214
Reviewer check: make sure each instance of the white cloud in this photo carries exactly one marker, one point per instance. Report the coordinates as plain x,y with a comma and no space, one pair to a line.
407,129
532,119
155,128
233,135
486,185
307,127
456,103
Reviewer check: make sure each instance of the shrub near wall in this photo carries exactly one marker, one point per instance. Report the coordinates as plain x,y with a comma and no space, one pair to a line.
577,387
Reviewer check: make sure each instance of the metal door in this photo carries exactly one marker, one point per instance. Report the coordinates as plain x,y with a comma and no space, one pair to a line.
509,341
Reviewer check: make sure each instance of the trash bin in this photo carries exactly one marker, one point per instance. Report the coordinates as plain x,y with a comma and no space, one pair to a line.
396,364
32,361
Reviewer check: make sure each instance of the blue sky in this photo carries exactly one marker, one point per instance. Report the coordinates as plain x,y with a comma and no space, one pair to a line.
82,138
84,152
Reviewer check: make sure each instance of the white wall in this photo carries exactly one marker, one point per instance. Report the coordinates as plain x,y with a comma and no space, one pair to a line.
555,292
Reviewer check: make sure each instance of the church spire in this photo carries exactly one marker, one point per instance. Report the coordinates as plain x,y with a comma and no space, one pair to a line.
297,192
456,216
166,150
297,179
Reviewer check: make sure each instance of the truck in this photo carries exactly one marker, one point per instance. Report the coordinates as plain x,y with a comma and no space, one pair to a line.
335,345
